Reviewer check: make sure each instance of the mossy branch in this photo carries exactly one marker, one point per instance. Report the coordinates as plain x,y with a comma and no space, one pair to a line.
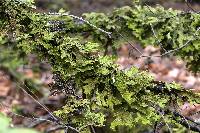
98,92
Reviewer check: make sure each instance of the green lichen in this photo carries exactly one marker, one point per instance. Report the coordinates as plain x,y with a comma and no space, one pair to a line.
105,95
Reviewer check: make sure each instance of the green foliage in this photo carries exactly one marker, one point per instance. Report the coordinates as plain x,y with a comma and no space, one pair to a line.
80,113
104,95
5,123
141,21
138,23
8,57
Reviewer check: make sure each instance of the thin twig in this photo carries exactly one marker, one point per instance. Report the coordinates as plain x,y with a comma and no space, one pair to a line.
83,20
175,50
92,128
44,107
149,8
190,7
64,126
129,42
161,113
22,116
170,51
66,130
194,126
55,120
158,126
154,33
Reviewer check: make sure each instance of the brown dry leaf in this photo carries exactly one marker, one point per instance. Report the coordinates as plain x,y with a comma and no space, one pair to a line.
174,73
4,90
191,110
191,80
5,84
4,109
29,73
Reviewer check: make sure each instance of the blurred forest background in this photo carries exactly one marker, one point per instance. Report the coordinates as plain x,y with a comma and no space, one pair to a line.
78,7
39,74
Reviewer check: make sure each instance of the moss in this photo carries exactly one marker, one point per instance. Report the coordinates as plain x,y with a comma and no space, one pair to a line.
103,93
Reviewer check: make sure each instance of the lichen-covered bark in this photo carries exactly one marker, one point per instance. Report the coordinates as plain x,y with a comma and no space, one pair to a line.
98,92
